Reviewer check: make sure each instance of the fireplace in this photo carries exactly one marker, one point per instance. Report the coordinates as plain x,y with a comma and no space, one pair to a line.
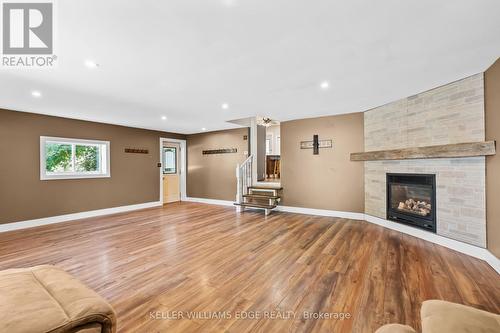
411,199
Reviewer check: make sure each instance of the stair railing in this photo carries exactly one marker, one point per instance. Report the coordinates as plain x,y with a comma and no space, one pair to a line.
243,178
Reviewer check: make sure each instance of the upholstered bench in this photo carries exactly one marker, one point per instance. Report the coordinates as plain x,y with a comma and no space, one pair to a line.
47,299
445,317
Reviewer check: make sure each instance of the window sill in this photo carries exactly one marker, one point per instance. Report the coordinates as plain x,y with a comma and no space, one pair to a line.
59,177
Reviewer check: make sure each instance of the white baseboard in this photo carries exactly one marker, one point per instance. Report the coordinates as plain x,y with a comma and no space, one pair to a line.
210,201
492,260
99,212
75,216
289,209
471,250
321,212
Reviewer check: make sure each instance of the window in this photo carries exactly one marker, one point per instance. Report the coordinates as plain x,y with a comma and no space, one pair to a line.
62,158
169,160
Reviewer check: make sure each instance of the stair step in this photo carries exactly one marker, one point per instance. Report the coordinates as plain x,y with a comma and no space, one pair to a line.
262,187
260,196
269,193
255,205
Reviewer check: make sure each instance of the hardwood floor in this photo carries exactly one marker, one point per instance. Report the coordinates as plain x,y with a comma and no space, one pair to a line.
208,259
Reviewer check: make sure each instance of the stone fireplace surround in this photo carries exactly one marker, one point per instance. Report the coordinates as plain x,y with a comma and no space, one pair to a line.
450,114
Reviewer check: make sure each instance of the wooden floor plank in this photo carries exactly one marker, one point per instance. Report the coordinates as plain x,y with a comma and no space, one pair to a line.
205,259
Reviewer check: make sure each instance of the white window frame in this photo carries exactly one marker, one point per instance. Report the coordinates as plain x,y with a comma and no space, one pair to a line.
105,162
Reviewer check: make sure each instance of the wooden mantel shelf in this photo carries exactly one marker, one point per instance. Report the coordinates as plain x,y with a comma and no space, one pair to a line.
444,151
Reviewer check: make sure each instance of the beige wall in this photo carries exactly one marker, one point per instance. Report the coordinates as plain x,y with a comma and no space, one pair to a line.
328,180
214,176
492,105
23,196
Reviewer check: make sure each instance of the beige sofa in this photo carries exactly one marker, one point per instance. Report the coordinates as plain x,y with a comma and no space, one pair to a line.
446,317
45,299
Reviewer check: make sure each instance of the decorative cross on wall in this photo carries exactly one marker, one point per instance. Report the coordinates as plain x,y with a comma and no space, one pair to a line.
316,144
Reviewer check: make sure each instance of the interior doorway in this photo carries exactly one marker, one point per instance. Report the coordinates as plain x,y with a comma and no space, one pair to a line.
171,174
273,153
172,171
268,156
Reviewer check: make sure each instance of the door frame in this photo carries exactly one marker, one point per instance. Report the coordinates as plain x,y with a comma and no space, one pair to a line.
182,167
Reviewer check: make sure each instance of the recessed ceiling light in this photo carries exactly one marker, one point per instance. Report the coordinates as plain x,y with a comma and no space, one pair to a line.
225,106
203,129
325,85
36,93
163,117
91,64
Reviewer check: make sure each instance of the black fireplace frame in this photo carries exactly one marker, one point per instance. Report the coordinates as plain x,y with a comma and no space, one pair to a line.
427,223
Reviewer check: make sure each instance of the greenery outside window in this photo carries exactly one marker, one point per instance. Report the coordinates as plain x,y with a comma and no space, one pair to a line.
169,160
62,158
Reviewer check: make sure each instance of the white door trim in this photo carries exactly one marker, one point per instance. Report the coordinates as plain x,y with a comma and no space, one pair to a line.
182,166
253,146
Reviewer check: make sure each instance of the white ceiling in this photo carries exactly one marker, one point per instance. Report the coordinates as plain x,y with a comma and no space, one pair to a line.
184,58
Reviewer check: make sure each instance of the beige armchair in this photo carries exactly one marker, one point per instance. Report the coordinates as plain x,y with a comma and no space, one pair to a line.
46,299
445,317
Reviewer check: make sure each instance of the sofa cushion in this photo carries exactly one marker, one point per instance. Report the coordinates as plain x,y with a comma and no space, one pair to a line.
443,317
26,306
47,299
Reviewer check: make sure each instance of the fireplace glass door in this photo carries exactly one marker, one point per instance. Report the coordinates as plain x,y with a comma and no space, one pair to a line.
411,199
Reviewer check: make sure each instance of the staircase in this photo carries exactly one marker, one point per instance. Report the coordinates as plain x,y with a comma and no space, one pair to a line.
248,195
261,197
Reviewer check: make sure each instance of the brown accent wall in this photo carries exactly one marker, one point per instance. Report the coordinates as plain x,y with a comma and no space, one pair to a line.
492,107
328,180
214,176
23,196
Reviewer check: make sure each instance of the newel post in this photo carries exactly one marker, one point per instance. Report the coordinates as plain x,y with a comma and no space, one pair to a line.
238,187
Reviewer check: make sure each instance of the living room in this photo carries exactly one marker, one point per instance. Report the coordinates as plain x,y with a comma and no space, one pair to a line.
251,167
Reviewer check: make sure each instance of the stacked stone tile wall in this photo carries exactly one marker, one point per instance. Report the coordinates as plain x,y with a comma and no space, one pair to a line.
449,114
